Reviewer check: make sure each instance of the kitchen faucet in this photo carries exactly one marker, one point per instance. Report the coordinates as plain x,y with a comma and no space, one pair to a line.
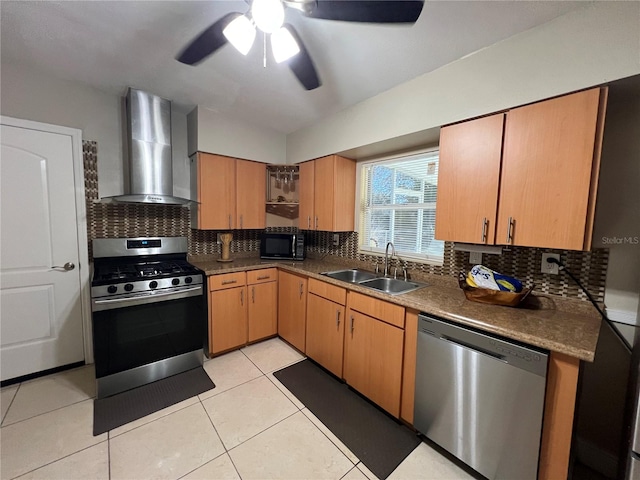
386,257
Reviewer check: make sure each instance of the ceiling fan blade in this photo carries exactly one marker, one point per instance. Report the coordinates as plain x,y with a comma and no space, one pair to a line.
301,64
207,42
371,11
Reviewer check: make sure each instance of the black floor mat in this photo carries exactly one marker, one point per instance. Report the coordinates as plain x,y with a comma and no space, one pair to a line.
125,407
380,442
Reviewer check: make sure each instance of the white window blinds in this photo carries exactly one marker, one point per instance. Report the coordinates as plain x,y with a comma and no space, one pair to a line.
398,204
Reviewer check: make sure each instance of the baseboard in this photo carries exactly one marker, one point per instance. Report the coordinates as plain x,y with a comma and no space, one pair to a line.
595,458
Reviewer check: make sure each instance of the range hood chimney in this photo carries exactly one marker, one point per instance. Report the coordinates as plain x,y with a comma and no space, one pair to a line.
149,139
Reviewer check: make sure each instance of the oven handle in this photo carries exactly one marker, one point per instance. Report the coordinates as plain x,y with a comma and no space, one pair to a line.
110,303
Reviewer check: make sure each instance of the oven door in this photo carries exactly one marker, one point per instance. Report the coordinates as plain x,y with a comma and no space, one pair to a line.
133,332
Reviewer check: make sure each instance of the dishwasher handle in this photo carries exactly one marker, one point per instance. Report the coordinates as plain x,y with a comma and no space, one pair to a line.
475,348
525,357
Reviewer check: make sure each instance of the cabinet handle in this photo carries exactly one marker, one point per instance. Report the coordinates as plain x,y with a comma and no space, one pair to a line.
253,294
337,318
242,297
263,277
316,222
509,231
229,282
484,229
309,222
241,222
300,289
351,324
229,220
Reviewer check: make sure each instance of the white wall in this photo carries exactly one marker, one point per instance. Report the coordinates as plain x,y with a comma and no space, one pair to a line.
212,132
586,47
32,95
617,222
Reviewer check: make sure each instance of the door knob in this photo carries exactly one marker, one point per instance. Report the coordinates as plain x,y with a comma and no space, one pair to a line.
67,266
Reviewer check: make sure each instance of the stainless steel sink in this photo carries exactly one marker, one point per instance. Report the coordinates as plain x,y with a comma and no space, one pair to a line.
392,286
363,278
351,276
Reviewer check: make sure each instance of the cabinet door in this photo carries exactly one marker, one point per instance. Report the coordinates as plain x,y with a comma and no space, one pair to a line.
292,309
251,194
306,217
227,319
547,169
263,312
325,333
344,196
468,179
324,193
216,192
373,360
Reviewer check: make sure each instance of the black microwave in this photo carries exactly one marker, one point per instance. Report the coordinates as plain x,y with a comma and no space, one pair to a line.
283,246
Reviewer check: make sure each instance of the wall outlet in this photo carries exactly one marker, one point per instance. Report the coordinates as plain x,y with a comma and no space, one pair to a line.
475,258
336,239
218,240
551,268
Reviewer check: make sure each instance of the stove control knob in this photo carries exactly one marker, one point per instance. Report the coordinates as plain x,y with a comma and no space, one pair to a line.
112,289
128,287
153,284
188,280
175,281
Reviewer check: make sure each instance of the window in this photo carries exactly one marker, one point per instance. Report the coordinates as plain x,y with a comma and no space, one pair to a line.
398,204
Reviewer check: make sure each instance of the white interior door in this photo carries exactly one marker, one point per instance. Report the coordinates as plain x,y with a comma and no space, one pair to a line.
41,325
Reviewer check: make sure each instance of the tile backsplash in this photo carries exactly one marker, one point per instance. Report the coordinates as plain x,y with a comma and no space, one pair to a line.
106,220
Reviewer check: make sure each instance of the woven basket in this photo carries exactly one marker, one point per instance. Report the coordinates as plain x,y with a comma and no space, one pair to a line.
494,297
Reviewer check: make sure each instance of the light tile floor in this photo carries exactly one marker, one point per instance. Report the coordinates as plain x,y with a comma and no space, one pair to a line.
249,427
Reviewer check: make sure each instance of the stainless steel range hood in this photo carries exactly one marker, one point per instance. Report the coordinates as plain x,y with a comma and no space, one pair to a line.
149,139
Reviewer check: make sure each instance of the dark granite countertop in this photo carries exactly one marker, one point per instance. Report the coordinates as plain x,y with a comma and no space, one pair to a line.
547,321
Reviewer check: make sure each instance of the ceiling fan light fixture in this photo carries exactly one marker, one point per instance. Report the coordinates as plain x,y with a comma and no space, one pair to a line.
240,33
283,44
268,14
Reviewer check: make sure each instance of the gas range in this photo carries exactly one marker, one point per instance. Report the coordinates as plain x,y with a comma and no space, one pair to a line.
126,267
149,311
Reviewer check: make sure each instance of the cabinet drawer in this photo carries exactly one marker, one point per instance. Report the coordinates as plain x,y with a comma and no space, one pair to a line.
227,280
261,276
385,311
328,291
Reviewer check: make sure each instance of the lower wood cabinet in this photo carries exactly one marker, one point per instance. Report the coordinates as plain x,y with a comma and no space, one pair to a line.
263,320
292,309
373,353
227,319
241,313
325,332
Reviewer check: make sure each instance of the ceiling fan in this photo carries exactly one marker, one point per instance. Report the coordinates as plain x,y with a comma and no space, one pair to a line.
286,45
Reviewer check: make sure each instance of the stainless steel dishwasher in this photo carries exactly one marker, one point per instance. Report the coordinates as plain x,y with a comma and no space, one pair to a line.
481,398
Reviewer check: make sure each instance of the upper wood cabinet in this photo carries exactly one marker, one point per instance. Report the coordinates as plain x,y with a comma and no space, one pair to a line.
306,215
214,179
547,175
251,194
327,194
230,193
468,179
550,172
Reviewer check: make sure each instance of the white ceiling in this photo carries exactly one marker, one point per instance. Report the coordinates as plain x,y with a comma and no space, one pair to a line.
114,44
